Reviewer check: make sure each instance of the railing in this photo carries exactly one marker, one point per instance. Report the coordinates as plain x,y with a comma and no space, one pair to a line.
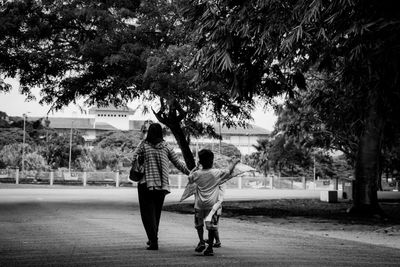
120,178
64,178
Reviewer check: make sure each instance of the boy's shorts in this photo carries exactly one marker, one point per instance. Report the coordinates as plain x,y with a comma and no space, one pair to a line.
200,216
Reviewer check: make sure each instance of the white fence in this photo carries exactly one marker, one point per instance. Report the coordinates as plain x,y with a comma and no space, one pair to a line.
120,178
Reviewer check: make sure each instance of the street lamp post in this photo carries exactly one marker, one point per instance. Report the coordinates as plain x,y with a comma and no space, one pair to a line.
70,148
220,136
23,144
314,173
248,143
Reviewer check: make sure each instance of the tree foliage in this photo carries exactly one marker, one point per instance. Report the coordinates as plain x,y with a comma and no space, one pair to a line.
241,42
355,42
11,155
120,140
323,117
104,158
227,150
278,154
57,150
35,161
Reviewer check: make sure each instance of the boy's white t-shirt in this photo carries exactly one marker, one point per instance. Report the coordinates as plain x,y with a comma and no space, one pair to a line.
207,191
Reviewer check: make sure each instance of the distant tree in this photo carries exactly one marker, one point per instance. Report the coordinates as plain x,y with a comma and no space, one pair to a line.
391,160
35,161
104,158
228,150
114,148
279,153
57,149
11,154
84,162
342,168
120,140
3,122
12,136
12,132
260,159
288,157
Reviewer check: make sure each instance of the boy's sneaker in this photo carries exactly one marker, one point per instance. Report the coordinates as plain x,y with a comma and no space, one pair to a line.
200,247
209,251
152,246
217,245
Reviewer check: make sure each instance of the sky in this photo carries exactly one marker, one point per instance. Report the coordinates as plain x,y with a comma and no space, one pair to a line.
15,104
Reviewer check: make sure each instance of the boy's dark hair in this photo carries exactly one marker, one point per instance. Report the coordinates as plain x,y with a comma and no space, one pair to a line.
206,158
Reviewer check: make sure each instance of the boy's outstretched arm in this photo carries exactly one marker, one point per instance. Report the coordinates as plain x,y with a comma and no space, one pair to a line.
190,188
231,167
235,161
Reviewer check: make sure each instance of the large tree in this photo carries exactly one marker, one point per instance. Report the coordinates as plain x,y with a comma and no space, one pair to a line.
260,45
110,52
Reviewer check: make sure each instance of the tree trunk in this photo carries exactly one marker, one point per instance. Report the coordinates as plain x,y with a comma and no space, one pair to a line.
172,119
367,169
380,188
183,145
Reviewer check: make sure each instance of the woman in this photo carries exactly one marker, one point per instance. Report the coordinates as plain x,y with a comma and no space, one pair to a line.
153,187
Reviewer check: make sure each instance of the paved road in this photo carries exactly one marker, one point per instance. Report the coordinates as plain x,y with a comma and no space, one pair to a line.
64,227
128,194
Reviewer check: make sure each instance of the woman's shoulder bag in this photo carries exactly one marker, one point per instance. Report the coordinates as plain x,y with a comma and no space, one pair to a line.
137,170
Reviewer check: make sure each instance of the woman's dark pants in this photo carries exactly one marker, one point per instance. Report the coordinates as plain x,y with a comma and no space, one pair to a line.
151,203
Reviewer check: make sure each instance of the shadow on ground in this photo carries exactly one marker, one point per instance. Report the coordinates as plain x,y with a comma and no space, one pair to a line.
313,209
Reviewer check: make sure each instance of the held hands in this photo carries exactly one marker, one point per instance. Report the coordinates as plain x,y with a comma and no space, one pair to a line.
235,160
197,167
190,176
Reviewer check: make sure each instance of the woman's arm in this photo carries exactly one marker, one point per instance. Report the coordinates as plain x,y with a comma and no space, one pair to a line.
175,160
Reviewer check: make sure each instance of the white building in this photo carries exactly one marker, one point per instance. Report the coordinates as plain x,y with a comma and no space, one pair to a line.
116,117
100,120
242,138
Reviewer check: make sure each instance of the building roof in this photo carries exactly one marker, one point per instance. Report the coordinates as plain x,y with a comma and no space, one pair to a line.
124,109
250,130
105,126
76,123
89,123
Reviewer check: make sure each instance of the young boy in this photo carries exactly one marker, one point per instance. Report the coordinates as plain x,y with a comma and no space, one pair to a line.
208,181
